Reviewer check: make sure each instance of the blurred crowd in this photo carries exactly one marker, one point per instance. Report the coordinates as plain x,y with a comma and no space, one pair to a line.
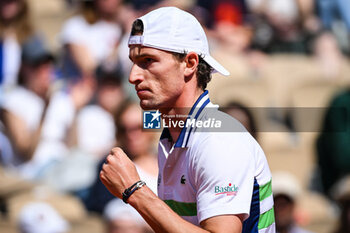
63,107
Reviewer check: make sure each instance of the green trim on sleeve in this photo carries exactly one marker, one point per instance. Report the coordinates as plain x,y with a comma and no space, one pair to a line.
183,208
265,191
266,219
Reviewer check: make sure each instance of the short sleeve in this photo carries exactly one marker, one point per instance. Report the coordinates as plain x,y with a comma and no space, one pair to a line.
73,30
223,170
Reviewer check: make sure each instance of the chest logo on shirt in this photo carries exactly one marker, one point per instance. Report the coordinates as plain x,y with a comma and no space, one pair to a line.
229,190
183,179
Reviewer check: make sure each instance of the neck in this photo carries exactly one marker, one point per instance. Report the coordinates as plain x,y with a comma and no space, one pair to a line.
182,108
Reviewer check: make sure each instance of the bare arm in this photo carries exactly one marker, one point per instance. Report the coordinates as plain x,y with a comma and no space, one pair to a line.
119,173
162,219
24,141
82,58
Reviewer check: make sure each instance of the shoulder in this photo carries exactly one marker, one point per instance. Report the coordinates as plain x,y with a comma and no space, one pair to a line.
230,142
94,116
224,132
341,99
73,26
15,98
223,147
75,21
93,110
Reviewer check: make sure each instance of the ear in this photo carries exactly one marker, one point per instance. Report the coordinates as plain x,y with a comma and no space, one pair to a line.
192,61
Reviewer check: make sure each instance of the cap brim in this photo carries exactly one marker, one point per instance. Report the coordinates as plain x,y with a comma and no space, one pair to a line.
216,65
42,59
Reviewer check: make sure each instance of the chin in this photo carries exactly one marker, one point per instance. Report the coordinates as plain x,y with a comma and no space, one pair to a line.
147,105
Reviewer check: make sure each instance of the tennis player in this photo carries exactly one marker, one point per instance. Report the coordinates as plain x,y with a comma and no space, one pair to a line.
209,180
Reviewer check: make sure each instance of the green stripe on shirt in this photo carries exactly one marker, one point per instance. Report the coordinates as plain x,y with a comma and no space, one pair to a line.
265,191
266,219
183,208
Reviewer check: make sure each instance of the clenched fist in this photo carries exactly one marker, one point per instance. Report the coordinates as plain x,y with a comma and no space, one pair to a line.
118,172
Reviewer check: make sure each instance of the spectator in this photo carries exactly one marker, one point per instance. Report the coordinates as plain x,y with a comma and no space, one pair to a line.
310,20
330,9
230,11
15,30
91,134
6,150
25,106
243,115
335,16
333,151
286,190
39,217
90,37
341,193
136,143
122,218
329,56
95,125
283,31
38,122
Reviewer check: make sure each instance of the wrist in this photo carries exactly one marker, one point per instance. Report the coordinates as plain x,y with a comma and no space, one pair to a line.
131,190
141,196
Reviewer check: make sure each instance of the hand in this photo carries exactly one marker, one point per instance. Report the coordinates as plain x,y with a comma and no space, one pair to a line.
82,92
118,172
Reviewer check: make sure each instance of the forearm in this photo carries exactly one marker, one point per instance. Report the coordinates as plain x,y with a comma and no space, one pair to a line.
159,215
22,139
83,58
118,172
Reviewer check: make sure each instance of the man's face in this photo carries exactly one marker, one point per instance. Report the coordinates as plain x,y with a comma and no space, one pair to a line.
284,210
158,77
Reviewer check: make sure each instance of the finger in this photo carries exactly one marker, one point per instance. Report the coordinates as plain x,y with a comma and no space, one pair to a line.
109,159
117,151
104,167
103,178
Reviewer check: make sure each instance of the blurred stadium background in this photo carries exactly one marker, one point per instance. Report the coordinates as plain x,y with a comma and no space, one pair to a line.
289,62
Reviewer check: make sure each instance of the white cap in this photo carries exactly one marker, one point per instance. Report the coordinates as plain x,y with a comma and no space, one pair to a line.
286,184
116,209
175,30
40,217
286,9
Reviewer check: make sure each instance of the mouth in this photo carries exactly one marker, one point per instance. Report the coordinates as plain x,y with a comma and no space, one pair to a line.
143,92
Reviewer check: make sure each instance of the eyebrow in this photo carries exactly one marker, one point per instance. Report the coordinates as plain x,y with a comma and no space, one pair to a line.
138,56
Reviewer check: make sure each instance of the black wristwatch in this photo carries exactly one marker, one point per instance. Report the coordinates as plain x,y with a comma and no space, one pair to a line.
129,191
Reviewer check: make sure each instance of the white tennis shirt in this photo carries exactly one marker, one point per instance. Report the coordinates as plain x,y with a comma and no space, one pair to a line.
211,172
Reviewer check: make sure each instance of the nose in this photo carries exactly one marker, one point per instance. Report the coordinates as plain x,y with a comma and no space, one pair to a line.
136,75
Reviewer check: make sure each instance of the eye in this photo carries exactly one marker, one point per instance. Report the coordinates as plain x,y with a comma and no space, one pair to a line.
146,62
149,60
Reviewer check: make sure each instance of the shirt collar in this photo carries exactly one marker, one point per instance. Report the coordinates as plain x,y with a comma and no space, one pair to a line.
182,141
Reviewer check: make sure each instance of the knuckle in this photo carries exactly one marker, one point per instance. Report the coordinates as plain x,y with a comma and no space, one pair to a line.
102,175
108,159
104,166
117,150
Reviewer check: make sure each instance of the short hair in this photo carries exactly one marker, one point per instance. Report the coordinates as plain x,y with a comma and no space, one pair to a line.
204,70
